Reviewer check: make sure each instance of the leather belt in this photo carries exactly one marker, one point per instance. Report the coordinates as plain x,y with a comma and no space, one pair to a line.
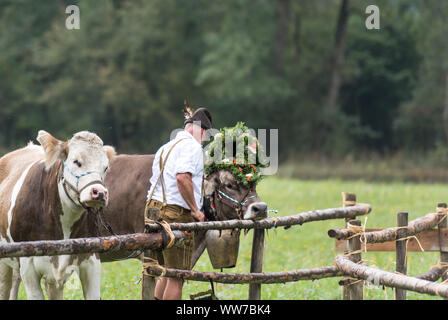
175,207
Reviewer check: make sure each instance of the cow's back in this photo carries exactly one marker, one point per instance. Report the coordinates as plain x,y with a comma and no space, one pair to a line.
14,168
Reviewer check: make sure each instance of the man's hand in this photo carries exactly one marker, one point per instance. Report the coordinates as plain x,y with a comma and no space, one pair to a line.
198,215
185,186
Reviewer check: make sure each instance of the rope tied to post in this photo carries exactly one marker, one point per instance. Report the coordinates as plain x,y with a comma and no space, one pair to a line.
443,283
348,203
358,231
407,238
149,262
442,211
350,253
442,265
349,200
165,226
351,203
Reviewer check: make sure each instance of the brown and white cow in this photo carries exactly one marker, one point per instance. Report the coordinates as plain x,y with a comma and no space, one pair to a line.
44,190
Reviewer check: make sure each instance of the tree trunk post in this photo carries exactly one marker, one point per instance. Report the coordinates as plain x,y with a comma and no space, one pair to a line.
256,263
348,199
400,249
355,288
148,282
442,225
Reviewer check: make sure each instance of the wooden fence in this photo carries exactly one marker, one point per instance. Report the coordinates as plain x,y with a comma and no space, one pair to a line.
255,278
416,235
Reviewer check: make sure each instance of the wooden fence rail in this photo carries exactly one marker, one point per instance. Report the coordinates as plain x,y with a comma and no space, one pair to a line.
152,240
131,242
433,274
417,235
252,278
267,223
389,279
384,235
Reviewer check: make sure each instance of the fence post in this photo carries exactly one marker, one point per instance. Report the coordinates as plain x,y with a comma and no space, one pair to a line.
256,263
442,224
355,288
348,199
400,248
149,282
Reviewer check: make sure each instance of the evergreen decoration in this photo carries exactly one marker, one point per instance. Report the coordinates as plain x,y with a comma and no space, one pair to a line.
245,155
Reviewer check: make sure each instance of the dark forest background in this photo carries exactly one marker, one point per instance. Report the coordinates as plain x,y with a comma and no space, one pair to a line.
309,68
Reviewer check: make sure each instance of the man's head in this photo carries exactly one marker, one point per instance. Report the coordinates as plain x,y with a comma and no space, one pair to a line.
199,123
202,117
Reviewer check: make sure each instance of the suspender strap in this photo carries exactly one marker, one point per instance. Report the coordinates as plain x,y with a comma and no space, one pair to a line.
162,166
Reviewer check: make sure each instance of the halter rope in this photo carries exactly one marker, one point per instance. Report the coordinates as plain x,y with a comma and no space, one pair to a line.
78,191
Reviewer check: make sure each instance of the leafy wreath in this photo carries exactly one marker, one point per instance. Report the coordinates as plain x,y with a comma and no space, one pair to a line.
243,162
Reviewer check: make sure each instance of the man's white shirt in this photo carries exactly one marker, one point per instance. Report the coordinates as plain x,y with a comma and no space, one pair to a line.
186,156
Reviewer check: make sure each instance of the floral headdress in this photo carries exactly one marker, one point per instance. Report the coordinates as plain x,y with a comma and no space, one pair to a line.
246,152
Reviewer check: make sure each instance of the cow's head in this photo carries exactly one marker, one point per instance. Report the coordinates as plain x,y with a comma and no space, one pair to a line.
233,200
84,162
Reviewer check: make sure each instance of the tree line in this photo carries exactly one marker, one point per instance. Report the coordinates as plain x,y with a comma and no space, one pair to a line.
309,68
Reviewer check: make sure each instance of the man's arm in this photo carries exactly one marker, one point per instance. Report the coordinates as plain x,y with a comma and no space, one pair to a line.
185,186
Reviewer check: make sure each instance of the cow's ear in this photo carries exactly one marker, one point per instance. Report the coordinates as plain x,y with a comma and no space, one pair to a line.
111,153
211,182
54,149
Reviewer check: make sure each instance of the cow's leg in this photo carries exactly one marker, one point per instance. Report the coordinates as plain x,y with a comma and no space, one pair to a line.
14,294
31,279
54,291
5,281
90,276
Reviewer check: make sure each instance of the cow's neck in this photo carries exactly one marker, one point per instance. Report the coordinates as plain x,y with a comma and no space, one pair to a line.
208,207
70,211
213,209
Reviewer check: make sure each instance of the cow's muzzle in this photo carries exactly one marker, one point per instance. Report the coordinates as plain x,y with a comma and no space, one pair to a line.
256,211
95,196
92,195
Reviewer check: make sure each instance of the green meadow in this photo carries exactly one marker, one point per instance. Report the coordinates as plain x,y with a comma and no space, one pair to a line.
299,247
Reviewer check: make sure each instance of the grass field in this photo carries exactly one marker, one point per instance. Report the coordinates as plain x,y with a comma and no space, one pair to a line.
305,246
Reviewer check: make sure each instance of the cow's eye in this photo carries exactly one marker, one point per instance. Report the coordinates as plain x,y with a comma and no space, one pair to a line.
229,186
77,163
105,170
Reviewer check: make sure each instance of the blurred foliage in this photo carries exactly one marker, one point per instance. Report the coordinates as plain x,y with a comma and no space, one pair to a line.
126,72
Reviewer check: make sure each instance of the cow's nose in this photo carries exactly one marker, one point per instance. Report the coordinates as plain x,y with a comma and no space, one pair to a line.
259,208
98,194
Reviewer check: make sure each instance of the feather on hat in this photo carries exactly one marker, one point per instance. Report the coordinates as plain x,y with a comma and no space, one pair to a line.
201,115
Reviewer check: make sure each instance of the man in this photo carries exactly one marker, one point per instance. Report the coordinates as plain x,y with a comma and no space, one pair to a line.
177,193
